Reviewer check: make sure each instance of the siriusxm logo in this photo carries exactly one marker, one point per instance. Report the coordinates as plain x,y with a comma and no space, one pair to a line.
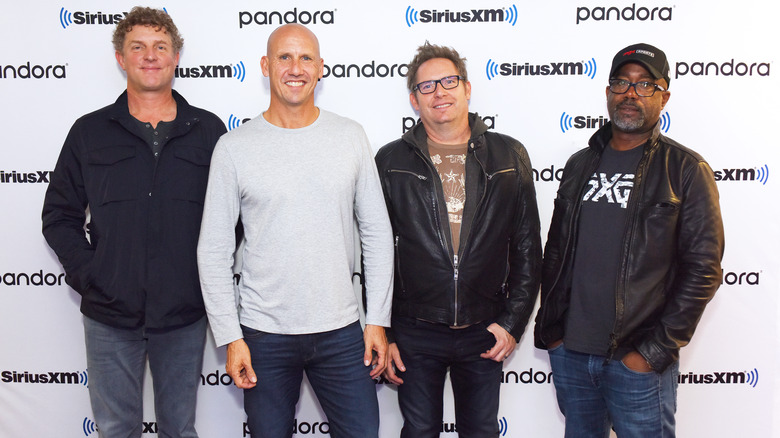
503,426
587,68
746,278
453,427
728,68
88,427
261,18
35,279
14,177
629,13
508,15
49,377
149,427
760,174
28,71
723,377
85,17
302,428
234,122
526,377
408,123
580,122
369,70
567,122
237,71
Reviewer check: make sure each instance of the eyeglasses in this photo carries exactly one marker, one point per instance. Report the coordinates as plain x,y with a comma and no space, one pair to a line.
429,87
644,88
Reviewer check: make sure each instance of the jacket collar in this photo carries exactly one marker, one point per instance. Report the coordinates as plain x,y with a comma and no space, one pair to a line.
600,139
417,137
186,117
184,111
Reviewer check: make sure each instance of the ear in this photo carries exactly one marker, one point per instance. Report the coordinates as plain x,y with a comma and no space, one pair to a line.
322,68
665,98
264,65
120,59
413,101
467,86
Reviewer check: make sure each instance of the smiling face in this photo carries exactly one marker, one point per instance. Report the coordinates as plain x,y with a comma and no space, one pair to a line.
293,66
442,107
629,112
149,60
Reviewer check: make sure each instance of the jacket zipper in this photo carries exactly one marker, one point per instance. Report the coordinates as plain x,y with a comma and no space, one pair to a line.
435,205
418,176
620,290
489,177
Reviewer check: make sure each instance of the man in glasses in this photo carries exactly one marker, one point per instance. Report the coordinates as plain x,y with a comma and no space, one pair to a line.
632,258
468,254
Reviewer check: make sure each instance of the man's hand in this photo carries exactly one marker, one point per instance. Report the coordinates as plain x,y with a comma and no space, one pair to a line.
376,341
394,363
505,344
636,362
239,365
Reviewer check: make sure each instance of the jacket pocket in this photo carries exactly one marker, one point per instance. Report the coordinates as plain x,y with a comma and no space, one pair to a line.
113,174
192,171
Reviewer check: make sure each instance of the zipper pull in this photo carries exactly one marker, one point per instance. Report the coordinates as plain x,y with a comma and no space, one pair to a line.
455,265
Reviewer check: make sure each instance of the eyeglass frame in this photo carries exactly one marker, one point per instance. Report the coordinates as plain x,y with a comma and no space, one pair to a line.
437,82
656,87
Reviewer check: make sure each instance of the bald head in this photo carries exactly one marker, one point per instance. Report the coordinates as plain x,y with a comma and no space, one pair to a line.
293,31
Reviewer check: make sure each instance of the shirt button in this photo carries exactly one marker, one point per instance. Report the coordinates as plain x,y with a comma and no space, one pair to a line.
155,143
150,194
156,153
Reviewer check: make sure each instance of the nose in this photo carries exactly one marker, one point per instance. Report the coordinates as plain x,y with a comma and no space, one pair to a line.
439,90
150,54
295,67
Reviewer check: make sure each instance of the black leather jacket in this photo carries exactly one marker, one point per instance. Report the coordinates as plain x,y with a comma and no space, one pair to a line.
672,248
495,275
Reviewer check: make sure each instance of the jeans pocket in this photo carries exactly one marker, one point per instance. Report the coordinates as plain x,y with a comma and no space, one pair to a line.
250,333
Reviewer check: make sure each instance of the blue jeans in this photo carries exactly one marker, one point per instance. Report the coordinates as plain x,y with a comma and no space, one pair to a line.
594,397
116,361
333,362
428,350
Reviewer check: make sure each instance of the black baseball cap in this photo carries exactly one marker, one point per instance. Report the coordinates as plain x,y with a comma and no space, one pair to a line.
651,58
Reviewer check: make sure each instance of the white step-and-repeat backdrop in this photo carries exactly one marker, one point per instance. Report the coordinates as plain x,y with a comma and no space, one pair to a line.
538,72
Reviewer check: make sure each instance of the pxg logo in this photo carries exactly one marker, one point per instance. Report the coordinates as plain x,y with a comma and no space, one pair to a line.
508,15
586,68
720,377
760,174
88,426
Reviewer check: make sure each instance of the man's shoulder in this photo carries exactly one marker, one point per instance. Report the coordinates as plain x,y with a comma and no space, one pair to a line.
330,120
684,152
385,152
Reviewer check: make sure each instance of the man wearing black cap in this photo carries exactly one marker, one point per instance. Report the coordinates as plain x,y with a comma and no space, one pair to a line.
631,260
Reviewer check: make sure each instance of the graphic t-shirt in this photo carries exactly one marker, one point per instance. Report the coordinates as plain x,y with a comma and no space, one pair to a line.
602,224
450,163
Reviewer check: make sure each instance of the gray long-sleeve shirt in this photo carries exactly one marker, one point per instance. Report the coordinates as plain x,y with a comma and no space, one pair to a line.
298,193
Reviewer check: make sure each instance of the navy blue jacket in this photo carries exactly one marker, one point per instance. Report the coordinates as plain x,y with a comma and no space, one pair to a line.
138,267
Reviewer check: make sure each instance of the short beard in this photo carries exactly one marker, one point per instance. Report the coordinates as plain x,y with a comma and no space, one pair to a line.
628,125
